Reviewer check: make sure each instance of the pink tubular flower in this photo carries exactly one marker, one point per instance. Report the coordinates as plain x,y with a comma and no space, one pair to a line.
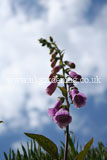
74,92
75,76
79,99
56,69
51,88
52,111
62,118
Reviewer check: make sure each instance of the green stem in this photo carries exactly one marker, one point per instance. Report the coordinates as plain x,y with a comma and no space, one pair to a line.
67,128
67,102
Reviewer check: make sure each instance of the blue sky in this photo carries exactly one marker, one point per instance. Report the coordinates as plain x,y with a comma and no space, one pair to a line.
79,27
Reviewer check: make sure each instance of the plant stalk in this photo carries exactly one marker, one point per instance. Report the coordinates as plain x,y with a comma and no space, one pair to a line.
67,128
66,143
67,102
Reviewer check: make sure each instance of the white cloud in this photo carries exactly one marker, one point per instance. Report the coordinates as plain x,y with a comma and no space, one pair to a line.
21,54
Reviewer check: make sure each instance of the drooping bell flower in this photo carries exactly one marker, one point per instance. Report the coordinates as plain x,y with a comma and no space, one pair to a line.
62,118
70,64
75,76
51,88
56,69
52,111
79,99
74,92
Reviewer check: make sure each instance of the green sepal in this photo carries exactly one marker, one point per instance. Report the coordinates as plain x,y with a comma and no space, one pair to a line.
64,106
61,98
60,76
67,70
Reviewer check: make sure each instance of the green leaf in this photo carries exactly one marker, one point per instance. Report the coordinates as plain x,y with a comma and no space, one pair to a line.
82,154
5,155
10,154
18,155
63,90
71,143
46,144
24,151
13,155
64,106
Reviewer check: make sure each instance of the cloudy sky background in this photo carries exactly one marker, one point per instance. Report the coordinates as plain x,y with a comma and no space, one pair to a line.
79,27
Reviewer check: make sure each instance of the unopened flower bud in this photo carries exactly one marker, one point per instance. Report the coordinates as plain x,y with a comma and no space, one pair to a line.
70,64
51,88
53,63
56,69
53,57
75,76
52,77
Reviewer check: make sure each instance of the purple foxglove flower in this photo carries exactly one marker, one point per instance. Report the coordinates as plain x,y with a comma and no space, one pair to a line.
56,69
75,76
62,118
52,111
79,99
51,88
73,92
